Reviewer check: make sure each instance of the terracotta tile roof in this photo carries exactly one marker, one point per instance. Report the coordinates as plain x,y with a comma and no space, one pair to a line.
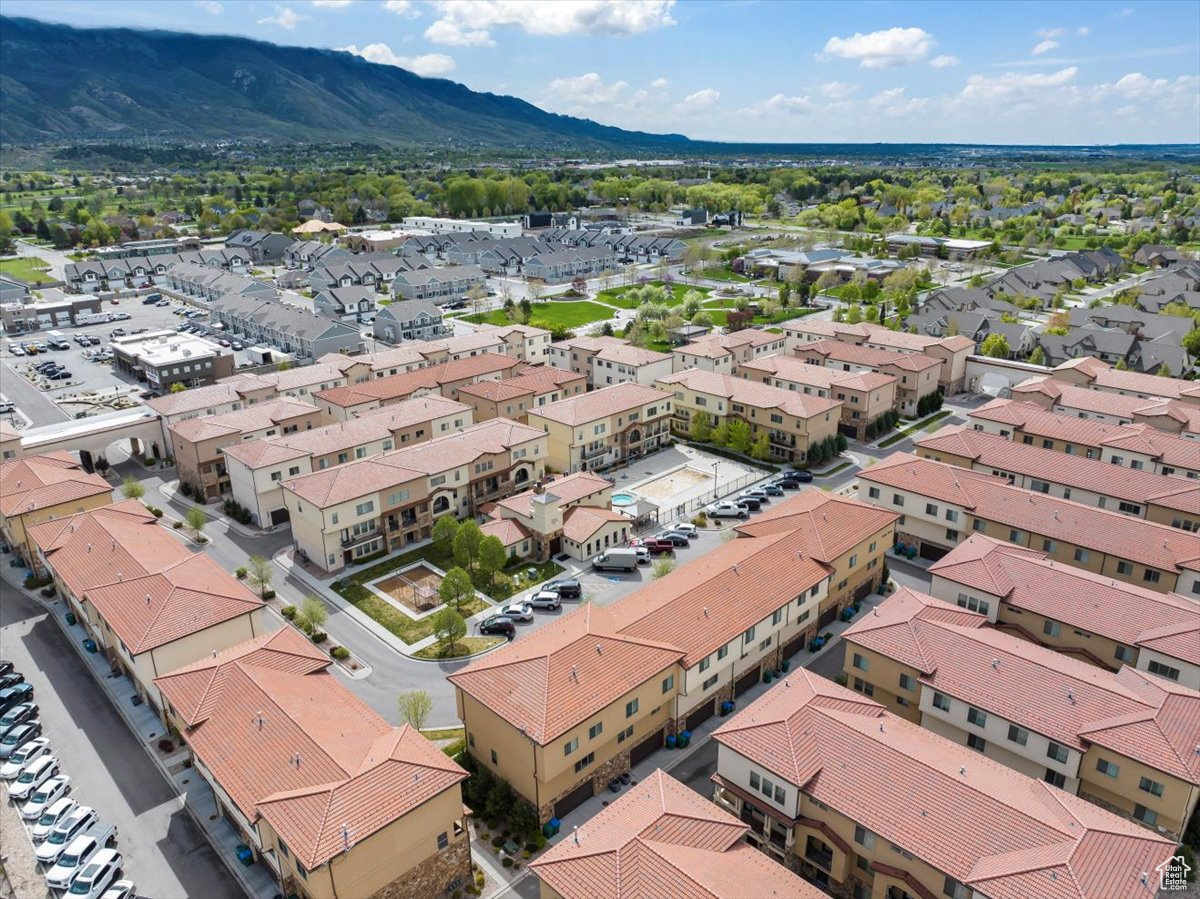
509,530
994,499
1180,640
751,393
706,603
432,378
661,832
107,545
249,418
832,524
288,742
1098,402
561,674
792,368
184,598
568,489
40,482
8,432
628,354
996,452
1028,580
878,334
896,627
198,398
1107,378
864,355
602,403
541,379
715,345
581,522
990,828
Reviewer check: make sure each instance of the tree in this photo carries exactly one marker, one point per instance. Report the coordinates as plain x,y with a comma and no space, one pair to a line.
415,708
456,588
739,436
132,489
663,567
492,558
526,310
720,434
536,289
260,572
195,519
1037,357
1164,371
523,818
854,314
499,801
701,426
995,346
178,387
466,545
1191,343
449,627
444,530
311,615
761,449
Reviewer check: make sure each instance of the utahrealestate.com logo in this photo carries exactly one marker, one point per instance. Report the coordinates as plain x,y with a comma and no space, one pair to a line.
1172,874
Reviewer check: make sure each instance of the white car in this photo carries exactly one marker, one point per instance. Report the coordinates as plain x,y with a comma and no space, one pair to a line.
93,880
727,510
79,820
46,795
73,860
51,817
688,530
33,777
518,611
121,889
24,757
545,599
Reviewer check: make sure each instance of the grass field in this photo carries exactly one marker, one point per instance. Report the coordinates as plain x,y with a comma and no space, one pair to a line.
724,274
925,424
615,296
27,268
465,646
551,314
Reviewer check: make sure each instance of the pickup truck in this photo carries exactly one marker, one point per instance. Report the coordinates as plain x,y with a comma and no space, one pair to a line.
619,559
657,547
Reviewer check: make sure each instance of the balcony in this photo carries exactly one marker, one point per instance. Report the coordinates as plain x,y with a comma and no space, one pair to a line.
819,854
595,452
778,438
354,540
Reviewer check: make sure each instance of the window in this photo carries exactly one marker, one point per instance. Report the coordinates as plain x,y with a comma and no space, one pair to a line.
1039,486
1124,654
941,701
777,617
437,480
710,682
276,476
1057,752
780,795
951,515
625,734
861,663
951,534
931,509
571,745
443,840
897,499
1055,778
864,837
585,761
767,787
1124,567
976,742
722,652
631,708
1107,768
1163,670
980,526
953,888
1145,815
873,492
1081,555
668,683
907,683
755,781
749,635
1153,787
1014,536
1151,576
978,717
1130,508
863,687
494,761
365,508
1051,628
704,663
595,730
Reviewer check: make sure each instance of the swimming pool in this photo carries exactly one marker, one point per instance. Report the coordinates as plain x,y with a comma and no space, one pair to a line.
624,499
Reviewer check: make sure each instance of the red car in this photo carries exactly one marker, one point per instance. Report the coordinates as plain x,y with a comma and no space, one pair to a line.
657,547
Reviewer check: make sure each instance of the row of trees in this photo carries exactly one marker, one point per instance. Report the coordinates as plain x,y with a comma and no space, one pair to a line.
929,403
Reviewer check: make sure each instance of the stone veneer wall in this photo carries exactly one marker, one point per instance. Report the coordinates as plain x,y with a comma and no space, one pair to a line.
431,877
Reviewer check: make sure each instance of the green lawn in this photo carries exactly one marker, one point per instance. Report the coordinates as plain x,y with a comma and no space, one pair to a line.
925,424
615,296
724,274
467,646
27,268
551,314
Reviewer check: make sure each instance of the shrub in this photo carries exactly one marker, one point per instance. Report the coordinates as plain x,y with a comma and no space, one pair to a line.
341,653
530,848
268,594
526,854
240,573
288,612
319,636
508,862
185,488
506,833
156,512
178,525
166,745
497,841
480,880
539,841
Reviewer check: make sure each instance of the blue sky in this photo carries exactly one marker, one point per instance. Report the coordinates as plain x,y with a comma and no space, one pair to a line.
982,72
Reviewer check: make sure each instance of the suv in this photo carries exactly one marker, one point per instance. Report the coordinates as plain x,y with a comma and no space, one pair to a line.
656,547
675,538
750,502
498,624
545,599
52,817
18,714
33,777
567,588
79,821
72,860
94,878
727,510
18,737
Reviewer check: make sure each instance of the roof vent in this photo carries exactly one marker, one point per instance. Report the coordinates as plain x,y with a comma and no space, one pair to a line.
260,720
295,760
881,727
575,834
996,664
1071,696
962,769
575,674
705,611
735,568
599,650
89,547
147,599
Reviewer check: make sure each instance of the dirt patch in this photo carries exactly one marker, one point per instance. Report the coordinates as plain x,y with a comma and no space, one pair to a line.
416,588
673,484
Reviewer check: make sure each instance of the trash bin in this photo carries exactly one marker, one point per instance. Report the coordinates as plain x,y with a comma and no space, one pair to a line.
551,827
684,738
767,675
70,617
784,665
671,741
89,644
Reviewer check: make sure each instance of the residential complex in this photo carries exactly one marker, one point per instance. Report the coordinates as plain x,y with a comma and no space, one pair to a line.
603,428
609,360
1123,740
916,376
1180,417
723,353
514,397
42,488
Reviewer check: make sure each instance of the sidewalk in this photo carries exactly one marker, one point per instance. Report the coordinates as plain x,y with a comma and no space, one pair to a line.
170,490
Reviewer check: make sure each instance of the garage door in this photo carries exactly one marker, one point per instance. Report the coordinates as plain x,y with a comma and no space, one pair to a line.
863,591
574,799
828,616
793,646
279,516
932,552
746,681
646,748
698,717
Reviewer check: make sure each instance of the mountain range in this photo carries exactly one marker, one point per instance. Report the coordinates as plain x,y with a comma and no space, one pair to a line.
62,83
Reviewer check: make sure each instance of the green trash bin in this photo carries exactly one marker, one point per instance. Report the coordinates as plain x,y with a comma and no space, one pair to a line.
70,617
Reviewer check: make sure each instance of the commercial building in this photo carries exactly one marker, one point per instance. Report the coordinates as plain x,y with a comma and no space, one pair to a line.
564,709
865,804
460,226
1143,494
662,832
603,428
609,360
916,375
42,488
941,505
1105,621
722,353
149,602
383,503
1123,740
514,397
790,422
330,798
164,358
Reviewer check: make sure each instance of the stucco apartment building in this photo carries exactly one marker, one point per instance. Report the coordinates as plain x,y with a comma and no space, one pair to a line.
867,804
1097,375
791,421
1142,494
1123,740
257,468
331,799
941,505
609,360
916,375
1080,613
513,397
864,396
445,379
42,488
1137,446
606,427
722,353
561,711
659,832
952,352
385,502
149,602
1171,416
198,442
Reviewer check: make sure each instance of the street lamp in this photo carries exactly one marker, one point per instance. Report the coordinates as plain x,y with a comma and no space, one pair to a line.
716,489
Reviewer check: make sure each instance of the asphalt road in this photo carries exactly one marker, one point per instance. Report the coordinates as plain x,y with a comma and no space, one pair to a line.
37,406
164,852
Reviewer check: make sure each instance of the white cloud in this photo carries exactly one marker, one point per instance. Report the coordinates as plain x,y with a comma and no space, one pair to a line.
564,17
701,99
1125,13
1045,47
212,7
782,103
659,83
1051,32
1014,84
401,8
882,49
837,90
944,61
428,64
589,89
443,31
285,17
331,4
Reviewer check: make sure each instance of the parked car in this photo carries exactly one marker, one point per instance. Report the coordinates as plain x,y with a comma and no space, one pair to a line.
518,611
786,483
498,624
46,795
771,489
18,737
749,502
567,588
619,559
674,538
61,375
51,816
73,860
545,599
94,879
237,346
78,821
223,342
796,474
18,714
33,777
643,555
117,332
10,696
6,667
727,510
690,530
656,546
121,316
139,330
121,889
163,303
94,341
24,757
756,493
16,350
11,680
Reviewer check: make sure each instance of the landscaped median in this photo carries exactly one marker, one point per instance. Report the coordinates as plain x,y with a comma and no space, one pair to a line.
923,425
